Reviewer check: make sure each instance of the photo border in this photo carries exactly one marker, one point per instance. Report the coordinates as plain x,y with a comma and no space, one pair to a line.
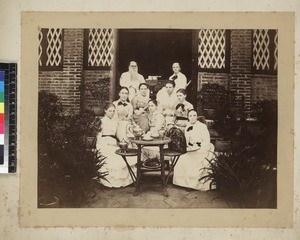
31,216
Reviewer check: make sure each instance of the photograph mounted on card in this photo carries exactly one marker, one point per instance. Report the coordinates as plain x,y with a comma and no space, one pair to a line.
149,120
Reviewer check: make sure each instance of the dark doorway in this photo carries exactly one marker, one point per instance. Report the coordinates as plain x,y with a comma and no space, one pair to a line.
155,51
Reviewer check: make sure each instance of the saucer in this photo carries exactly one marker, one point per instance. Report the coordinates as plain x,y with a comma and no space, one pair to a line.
147,138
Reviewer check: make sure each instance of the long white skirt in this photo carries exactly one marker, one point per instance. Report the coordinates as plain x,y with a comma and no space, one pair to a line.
188,169
115,166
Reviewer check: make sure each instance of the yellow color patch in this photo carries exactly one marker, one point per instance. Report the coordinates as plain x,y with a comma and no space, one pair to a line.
2,107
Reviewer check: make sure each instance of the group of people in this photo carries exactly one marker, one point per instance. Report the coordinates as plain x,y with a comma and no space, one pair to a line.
170,108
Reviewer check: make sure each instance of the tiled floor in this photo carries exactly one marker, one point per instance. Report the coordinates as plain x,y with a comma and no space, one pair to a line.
151,196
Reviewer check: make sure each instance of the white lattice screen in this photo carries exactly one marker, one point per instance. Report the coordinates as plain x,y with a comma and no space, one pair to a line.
261,52
101,47
212,48
40,47
54,47
50,45
276,51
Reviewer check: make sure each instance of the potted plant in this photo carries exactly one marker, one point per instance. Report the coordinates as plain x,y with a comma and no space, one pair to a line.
91,125
97,93
211,97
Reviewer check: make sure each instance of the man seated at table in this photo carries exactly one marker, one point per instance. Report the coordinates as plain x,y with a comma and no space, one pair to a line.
167,100
132,79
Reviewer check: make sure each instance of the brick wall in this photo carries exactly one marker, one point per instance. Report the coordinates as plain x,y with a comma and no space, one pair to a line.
66,83
264,87
219,78
240,64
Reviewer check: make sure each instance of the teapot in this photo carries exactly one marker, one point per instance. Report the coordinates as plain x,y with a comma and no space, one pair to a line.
161,133
135,129
123,145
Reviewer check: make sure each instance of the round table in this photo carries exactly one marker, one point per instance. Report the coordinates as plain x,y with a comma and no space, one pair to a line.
128,153
154,142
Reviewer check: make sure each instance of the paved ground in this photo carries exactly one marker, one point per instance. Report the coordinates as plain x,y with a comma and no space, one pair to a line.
151,196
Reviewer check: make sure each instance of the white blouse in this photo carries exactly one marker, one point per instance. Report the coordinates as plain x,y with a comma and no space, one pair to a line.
108,126
124,110
156,121
197,134
180,81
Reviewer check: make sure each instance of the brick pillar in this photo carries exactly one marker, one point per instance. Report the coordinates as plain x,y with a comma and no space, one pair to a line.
72,68
240,64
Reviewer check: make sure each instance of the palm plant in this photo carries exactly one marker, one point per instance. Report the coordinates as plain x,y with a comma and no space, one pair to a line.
239,175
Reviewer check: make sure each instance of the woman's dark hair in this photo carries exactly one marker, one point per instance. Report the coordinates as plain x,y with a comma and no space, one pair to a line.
141,84
126,88
191,110
108,105
154,101
170,82
181,90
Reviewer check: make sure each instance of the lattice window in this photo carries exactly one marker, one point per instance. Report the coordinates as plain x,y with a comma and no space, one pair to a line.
40,46
265,50
276,51
50,48
54,54
261,52
100,49
212,49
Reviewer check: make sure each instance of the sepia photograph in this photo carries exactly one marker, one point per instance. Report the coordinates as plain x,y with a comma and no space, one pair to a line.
145,120
157,118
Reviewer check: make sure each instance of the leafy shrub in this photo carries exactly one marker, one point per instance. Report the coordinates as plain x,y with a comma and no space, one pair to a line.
239,176
266,113
215,96
66,167
99,90
212,96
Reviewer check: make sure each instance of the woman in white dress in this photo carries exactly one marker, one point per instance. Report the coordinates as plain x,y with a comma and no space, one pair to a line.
178,77
156,118
118,174
123,114
140,103
156,122
182,109
189,168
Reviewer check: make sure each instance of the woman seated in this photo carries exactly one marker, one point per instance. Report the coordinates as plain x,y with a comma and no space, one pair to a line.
118,174
156,118
123,114
156,122
191,165
139,103
182,108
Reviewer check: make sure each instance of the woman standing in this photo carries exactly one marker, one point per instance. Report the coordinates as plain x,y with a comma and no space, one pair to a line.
189,168
139,103
178,77
118,174
123,113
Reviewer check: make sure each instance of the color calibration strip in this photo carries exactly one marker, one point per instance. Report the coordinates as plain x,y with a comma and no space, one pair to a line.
8,94
2,123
